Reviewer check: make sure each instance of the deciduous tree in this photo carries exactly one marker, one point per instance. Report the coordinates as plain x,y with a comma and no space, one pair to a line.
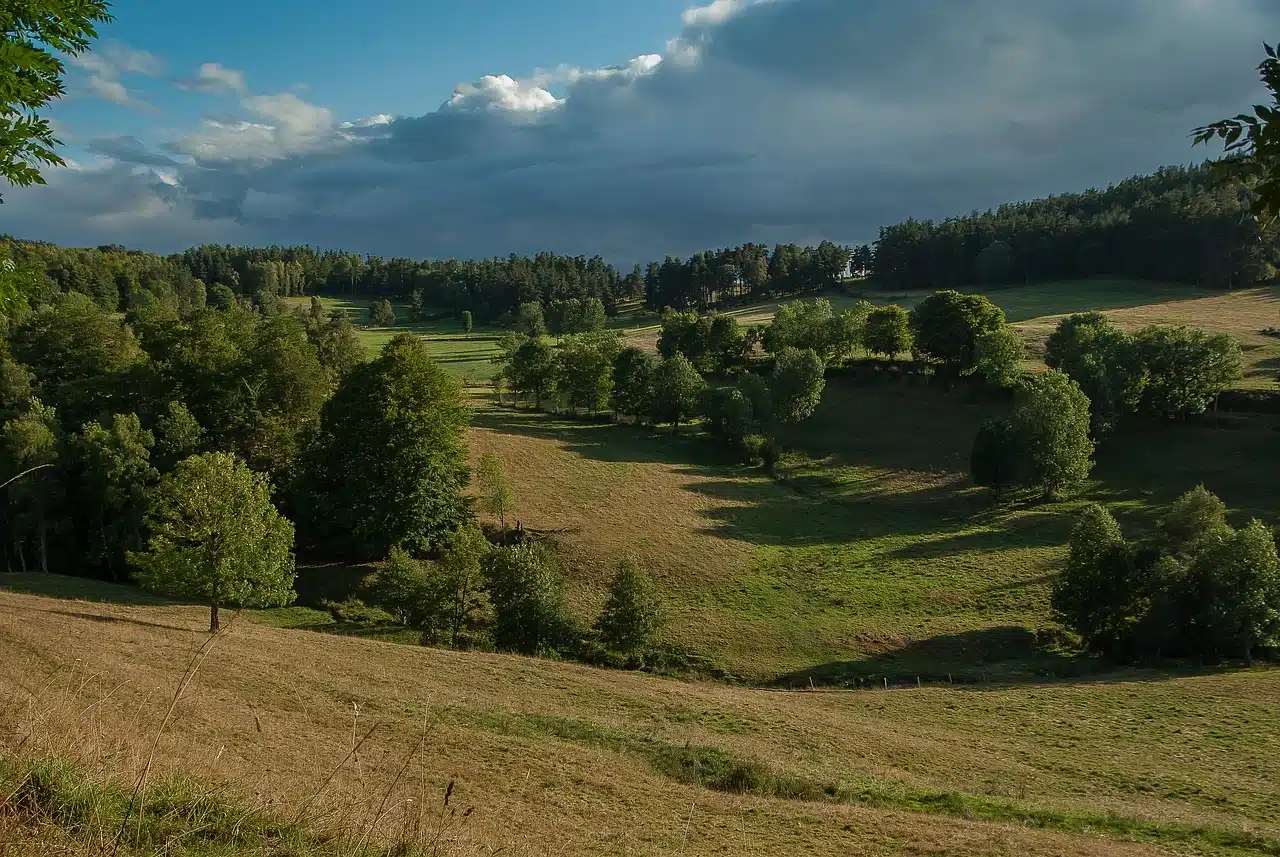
888,331
676,389
799,377
34,35
633,613
946,326
389,463
217,538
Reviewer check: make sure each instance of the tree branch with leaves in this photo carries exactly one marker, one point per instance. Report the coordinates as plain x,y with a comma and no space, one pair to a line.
1251,143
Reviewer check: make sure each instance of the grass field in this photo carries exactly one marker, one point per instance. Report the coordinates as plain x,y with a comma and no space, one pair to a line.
1034,309
870,562
872,555
562,759
468,357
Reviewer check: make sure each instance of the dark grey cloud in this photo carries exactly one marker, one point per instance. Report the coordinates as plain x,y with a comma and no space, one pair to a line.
771,121
128,150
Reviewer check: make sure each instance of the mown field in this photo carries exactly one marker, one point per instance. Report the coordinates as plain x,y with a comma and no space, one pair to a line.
872,555
561,759
870,562
467,356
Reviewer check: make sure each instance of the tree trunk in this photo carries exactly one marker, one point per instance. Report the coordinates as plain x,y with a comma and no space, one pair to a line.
44,546
213,619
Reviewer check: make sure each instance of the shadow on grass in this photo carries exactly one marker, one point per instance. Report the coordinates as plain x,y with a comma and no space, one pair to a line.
813,508
124,620
82,589
986,658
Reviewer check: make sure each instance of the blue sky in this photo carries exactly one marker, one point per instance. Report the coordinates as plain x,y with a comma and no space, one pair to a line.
396,56
628,128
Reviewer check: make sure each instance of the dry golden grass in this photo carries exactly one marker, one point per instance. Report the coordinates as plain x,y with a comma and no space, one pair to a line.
1241,314
653,509
272,712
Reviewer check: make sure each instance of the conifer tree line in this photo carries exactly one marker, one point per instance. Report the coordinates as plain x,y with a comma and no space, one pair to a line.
492,290
1180,225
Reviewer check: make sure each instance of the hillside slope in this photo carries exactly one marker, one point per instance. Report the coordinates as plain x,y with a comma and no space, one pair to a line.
563,759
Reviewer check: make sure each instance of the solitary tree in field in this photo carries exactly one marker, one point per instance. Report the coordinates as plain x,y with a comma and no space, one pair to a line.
1052,427
382,313
633,615
466,323
31,31
496,496
216,537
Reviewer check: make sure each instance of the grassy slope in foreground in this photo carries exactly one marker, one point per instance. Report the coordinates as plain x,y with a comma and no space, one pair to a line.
559,758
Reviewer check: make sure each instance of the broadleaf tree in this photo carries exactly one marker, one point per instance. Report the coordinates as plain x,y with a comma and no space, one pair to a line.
388,466
33,33
216,537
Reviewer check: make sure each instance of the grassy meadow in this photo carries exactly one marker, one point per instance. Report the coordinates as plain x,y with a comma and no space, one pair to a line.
868,562
1137,763
467,356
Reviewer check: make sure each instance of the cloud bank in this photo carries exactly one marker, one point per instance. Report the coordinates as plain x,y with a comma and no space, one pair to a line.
763,120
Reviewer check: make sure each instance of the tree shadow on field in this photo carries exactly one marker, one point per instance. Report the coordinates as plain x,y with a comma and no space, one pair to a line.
985,659
1036,530
126,620
810,509
605,440
82,589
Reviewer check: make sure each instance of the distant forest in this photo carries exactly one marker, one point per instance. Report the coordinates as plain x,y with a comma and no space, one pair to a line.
1181,224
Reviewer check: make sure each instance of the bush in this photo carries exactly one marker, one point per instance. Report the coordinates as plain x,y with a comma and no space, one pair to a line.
633,614
998,357
799,378
888,331
400,588
946,327
525,587
353,611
